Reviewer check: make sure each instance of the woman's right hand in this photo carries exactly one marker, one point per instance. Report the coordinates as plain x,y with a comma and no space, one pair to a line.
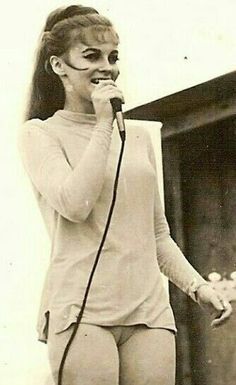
103,92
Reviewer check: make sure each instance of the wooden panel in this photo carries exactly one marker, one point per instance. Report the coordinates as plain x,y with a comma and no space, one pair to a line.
209,188
197,118
173,204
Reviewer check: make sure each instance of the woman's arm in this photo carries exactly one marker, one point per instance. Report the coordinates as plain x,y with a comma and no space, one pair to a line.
71,192
170,258
176,267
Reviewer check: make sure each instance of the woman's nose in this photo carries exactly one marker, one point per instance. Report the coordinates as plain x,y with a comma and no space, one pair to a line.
105,65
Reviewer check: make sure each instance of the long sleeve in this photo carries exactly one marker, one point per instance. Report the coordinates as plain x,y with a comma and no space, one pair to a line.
170,258
71,192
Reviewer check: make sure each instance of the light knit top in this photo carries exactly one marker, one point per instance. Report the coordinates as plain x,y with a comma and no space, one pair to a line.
71,162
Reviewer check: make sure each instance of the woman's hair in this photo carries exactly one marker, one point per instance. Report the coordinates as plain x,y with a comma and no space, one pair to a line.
64,27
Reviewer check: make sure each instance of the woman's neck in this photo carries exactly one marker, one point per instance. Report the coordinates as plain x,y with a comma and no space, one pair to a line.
74,105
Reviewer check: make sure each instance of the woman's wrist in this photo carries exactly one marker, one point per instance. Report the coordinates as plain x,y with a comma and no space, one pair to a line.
195,286
106,124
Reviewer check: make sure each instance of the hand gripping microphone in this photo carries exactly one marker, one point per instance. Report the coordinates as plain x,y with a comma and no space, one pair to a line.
117,109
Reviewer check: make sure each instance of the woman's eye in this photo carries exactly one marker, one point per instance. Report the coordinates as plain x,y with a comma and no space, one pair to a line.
92,56
96,56
113,59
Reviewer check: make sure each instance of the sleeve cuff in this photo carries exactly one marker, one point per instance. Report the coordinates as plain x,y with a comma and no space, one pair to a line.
194,286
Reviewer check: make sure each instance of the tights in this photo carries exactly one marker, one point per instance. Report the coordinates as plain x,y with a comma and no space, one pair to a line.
115,355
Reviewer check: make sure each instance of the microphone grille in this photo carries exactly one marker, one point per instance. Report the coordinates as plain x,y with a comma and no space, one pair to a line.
116,104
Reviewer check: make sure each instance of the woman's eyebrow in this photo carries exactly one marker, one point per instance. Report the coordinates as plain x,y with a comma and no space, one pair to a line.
91,49
98,50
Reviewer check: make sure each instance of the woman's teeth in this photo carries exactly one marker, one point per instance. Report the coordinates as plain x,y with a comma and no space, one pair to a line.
97,80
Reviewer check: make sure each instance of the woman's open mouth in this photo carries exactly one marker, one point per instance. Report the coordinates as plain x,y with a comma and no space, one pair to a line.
97,80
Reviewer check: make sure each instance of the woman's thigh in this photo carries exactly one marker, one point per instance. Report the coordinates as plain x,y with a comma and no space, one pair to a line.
148,358
92,358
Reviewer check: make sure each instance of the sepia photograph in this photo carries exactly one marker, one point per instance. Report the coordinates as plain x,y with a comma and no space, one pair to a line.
118,197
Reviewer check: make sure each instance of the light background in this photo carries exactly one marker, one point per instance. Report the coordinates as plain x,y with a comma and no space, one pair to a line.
166,46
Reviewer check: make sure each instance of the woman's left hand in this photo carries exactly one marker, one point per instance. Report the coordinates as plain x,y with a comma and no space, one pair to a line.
215,304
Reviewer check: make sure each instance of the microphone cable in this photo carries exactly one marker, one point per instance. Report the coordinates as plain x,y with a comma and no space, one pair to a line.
80,315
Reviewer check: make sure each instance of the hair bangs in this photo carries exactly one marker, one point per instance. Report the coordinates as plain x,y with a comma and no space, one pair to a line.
96,34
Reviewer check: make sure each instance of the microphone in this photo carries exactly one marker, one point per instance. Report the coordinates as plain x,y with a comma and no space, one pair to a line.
117,109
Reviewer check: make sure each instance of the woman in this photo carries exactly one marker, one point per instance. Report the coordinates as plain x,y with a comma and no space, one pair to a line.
70,151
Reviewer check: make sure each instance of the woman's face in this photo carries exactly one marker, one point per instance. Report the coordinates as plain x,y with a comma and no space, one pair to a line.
95,61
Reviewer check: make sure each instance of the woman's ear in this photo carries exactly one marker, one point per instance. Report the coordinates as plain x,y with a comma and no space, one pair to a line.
57,65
